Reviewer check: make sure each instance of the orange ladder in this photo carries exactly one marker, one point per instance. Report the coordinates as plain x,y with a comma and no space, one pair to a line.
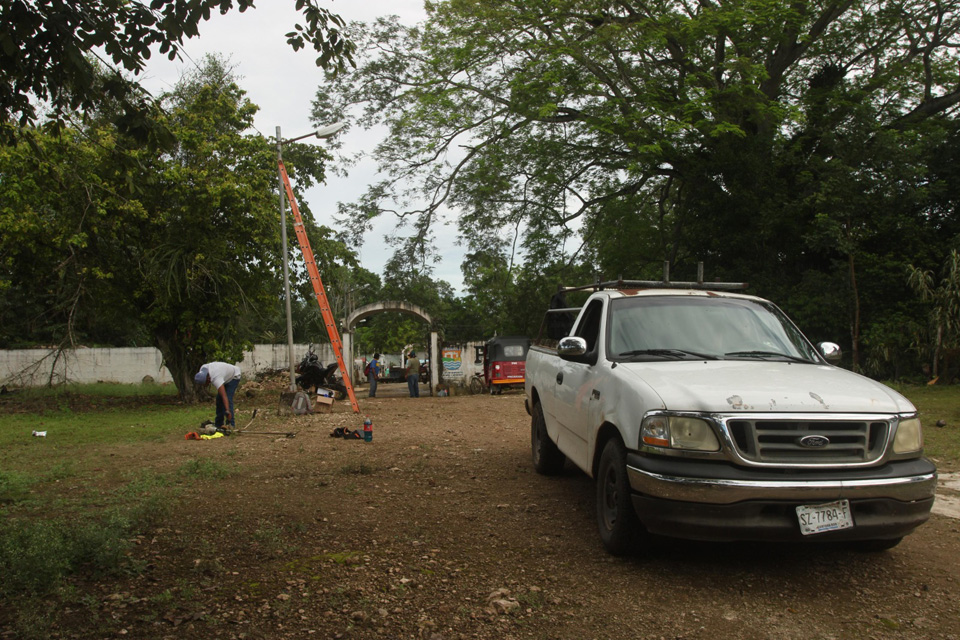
318,287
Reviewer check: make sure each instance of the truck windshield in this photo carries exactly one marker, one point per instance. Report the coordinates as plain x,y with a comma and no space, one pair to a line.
697,327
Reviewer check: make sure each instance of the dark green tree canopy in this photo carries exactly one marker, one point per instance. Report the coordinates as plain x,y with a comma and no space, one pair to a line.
178,249
550,112
46,48
791,144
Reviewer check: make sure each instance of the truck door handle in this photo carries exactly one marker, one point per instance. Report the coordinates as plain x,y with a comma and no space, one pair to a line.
560,378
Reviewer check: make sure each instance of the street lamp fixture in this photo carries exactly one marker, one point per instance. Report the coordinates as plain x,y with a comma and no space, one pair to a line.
322,133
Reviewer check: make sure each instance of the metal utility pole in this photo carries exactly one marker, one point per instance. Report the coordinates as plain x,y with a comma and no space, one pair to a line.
322,133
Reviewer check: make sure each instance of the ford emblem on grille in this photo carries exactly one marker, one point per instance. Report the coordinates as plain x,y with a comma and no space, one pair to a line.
814,442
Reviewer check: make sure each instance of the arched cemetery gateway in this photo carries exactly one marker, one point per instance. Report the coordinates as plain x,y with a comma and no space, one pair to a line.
396,306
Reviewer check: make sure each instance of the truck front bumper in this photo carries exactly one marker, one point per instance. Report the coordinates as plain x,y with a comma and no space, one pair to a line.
717,501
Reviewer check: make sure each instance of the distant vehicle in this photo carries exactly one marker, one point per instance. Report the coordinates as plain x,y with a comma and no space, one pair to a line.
393,373
398,373
504,362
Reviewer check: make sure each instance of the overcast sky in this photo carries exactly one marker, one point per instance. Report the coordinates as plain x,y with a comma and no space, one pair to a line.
283,84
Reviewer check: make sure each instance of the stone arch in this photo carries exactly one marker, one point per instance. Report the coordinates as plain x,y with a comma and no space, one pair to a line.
396,306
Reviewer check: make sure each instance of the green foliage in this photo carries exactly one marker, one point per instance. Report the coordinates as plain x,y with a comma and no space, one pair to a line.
47,50
407,279
783,143
174,249
944,300
146,499
890,346
36,555
60,206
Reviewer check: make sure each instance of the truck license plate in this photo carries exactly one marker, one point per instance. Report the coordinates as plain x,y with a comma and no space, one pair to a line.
818,518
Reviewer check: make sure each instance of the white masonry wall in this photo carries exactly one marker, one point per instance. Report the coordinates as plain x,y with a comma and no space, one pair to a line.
33,367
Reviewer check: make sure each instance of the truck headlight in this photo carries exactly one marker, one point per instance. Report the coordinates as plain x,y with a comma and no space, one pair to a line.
909,437
656,431
679,432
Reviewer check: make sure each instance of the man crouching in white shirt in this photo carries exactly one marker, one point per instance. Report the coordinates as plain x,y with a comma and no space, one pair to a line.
225,379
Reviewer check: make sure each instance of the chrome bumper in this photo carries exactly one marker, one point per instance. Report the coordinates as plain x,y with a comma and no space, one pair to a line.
730,491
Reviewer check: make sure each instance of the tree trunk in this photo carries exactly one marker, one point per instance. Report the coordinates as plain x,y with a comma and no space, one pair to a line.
182,367
936,351
855,328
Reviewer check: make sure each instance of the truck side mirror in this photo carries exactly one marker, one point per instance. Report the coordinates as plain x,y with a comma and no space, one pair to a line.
830,352
571,346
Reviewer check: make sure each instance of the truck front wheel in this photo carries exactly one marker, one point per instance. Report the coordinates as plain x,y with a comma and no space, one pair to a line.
616,519
547,458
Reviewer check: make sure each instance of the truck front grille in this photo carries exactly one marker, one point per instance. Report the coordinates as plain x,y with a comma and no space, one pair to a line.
809,442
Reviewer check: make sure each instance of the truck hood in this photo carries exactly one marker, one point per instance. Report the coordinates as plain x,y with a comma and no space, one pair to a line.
726,386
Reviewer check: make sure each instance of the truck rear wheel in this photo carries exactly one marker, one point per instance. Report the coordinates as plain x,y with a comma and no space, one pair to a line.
617,521
547,458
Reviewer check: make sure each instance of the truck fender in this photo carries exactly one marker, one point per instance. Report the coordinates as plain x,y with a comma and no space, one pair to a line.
603,434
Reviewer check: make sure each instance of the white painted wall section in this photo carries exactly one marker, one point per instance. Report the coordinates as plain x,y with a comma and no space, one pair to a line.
37,367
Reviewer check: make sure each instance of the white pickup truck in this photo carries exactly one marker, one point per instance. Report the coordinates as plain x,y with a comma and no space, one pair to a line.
706,414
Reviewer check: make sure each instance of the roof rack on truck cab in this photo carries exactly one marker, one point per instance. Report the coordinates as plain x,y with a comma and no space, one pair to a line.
559,317
665,283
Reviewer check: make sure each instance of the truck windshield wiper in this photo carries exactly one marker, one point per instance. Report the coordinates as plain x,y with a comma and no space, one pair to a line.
766,354
666,353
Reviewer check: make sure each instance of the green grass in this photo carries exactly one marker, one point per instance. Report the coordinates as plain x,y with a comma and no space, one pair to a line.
98,390
357,468
65,509
14,487
204,469
939,402
37,553
66,428
44,543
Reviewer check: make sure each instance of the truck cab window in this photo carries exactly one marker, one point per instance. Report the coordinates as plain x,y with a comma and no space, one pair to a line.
589,327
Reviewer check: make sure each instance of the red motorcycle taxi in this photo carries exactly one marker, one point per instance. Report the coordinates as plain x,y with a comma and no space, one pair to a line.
504,362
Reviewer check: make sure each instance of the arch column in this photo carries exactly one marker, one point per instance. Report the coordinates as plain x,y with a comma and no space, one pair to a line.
397,306
434,361
347,340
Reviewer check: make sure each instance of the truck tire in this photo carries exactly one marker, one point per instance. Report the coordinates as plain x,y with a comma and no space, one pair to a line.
547,458
617,521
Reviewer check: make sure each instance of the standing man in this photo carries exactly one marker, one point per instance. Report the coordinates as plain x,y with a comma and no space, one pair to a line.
225,379
413,375
373,374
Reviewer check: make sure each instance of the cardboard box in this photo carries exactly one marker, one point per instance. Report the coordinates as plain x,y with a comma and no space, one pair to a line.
324,401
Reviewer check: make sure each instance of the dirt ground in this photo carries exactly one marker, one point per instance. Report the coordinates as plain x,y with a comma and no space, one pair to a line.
439,528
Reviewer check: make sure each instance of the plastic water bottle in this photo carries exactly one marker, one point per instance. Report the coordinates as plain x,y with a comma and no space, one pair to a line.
368,430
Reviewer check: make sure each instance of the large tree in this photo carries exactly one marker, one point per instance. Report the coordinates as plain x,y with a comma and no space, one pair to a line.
49,48
177,248
769,139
